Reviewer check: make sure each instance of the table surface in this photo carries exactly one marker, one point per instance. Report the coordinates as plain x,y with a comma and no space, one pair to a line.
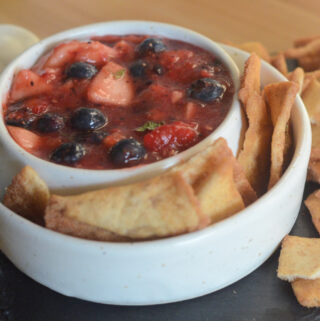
275,22
258,297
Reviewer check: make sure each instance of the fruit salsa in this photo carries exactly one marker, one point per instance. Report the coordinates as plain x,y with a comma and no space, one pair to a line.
117,101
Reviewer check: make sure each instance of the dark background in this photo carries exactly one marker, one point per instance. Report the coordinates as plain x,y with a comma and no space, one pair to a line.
258,297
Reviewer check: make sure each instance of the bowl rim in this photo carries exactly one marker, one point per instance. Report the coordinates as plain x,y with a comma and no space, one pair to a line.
301,152
77,33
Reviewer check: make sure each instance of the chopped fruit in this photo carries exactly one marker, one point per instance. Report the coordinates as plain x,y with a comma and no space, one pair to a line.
68,153
92,52
87,119
108,88
167,139
20,118
112,139
25,138
181,65
150,46
27,84
49,123
81,70
176,96
206,89
127,152
124,50
37,106
191,109
138,69
111,88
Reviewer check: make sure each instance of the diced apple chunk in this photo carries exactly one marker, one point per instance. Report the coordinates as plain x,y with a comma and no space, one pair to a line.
27,84
111,86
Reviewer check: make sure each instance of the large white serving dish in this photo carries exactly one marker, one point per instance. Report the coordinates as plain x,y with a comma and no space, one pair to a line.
172,269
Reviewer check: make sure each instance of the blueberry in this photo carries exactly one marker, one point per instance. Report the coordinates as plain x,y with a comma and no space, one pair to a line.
81,70
95,137
127,152
138,69
20,118
68,153
206,89
49,123
150,46
85,118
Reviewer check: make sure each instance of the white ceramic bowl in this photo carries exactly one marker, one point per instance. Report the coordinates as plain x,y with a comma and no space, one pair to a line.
171,269
66,178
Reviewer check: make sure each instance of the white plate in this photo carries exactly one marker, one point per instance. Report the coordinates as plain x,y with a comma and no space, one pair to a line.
172,269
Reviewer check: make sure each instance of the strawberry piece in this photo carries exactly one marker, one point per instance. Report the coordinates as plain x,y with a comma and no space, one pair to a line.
27,84
112,85
170,138
92,52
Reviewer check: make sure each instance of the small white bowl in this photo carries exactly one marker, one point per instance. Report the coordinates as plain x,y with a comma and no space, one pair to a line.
172,269
65,178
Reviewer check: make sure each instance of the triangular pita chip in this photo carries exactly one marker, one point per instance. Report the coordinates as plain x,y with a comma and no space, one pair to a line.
280,98
307,292
299,258
159,207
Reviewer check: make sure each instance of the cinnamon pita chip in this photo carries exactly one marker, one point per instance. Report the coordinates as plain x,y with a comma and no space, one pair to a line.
299,258
279,62
254,156
280,98
314,171
163,206
297,76
313,205
315,147
250,82
307,292
304,41
27,195
310,63
311,48
311,99
202,165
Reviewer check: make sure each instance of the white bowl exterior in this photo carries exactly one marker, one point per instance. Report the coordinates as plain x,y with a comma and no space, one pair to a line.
66,179
172,269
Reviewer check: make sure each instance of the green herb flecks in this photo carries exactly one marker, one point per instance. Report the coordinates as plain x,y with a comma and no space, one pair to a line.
119,74
149,125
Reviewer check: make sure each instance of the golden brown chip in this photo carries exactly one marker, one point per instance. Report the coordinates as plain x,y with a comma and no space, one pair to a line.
202,165
307,292
280,98
279,62
299,258
162,206
311,99
297,76
310,63
254,47
27,195
57,221
254,156
250,82
311,48
313,205
304,41
314,171
315,147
